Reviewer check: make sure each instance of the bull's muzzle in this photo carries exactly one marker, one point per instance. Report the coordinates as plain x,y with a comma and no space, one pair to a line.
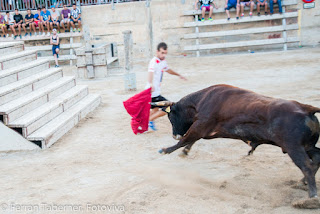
177,137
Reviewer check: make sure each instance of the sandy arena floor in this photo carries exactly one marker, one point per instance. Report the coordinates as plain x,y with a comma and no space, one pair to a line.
101,162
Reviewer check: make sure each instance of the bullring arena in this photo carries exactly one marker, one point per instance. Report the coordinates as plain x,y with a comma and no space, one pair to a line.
100,166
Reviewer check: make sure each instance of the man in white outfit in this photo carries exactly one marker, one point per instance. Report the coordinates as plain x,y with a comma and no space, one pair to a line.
157,66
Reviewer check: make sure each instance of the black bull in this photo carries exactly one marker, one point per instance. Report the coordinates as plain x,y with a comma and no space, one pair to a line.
223,111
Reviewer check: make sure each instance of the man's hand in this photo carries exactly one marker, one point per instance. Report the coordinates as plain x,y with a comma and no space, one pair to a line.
183,78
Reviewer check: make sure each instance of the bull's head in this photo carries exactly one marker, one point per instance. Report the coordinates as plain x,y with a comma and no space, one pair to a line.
178,117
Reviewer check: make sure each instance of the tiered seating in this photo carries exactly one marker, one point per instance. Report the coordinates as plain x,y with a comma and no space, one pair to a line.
284,28
41,44
37,101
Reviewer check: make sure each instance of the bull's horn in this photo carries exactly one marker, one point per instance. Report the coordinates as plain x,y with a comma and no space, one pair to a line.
162,103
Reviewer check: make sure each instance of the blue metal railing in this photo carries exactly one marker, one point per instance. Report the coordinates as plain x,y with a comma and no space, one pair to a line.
10,5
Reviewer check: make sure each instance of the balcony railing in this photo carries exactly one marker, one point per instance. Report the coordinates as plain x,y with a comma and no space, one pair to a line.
10,5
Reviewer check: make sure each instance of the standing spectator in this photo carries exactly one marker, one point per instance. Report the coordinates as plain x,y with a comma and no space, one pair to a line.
29,22
261,3
54,41
45,17
55,15
18,19
205,6
247,3
3,26
65,17
75,17
10,23
271,6
232,4
37,22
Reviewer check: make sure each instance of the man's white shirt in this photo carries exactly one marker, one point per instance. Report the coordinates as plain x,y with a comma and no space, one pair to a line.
157,66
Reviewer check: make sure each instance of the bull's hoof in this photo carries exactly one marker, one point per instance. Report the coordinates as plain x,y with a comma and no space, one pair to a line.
183,155
300,185
311,203
162,151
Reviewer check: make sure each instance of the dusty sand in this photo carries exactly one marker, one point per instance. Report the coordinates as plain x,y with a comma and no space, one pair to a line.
102,162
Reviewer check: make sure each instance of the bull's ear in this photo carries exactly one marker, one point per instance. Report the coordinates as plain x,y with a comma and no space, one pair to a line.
168,109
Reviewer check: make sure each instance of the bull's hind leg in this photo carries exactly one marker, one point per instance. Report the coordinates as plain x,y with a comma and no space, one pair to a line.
253,145
314,155
302,160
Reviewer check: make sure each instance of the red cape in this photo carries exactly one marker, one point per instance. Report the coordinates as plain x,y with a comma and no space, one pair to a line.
138,107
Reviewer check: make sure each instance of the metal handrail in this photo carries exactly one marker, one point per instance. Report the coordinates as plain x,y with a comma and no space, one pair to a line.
22,5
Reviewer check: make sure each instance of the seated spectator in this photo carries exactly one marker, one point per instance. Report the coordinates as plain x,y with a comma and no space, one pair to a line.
65,17
271,6
205,6
55,16
261,3
37,22
29,23
75,17
247,3
232,4
3,26
55,41
18,20
45,17
10,23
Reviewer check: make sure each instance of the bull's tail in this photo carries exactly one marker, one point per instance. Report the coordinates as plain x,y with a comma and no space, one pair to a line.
310,109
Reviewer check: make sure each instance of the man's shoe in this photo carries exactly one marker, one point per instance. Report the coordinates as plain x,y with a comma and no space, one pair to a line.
20,36
30,34
210,19
48,34
14,37
43,34
258,13
26,34
202,19
57,66
152,126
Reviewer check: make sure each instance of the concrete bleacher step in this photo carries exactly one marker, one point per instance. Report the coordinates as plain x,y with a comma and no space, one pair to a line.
241,20
21,106
241,44
111,60
11,47
15,59
242,31
222,9
25,70
56,128
29,123
40,37
29,84
49,47
61,57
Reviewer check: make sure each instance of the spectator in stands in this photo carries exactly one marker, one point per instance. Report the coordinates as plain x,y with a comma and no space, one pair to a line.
205,6
247,3
55,41
37,22
65,17
45,17
271,6
18,20
55,16
261,3
29,22
75,17
3,26
10,23
232,4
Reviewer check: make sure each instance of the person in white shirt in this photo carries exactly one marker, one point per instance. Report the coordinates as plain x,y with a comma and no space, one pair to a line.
157,66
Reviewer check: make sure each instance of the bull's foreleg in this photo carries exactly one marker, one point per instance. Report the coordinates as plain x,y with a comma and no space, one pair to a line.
187,140
253,145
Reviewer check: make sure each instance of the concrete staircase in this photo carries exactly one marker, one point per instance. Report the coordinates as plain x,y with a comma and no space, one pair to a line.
37,101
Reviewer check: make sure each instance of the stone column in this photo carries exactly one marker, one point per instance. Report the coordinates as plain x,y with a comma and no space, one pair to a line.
129,78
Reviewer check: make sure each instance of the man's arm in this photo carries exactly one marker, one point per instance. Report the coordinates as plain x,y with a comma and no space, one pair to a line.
196,5
51,40
176,74
57,43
